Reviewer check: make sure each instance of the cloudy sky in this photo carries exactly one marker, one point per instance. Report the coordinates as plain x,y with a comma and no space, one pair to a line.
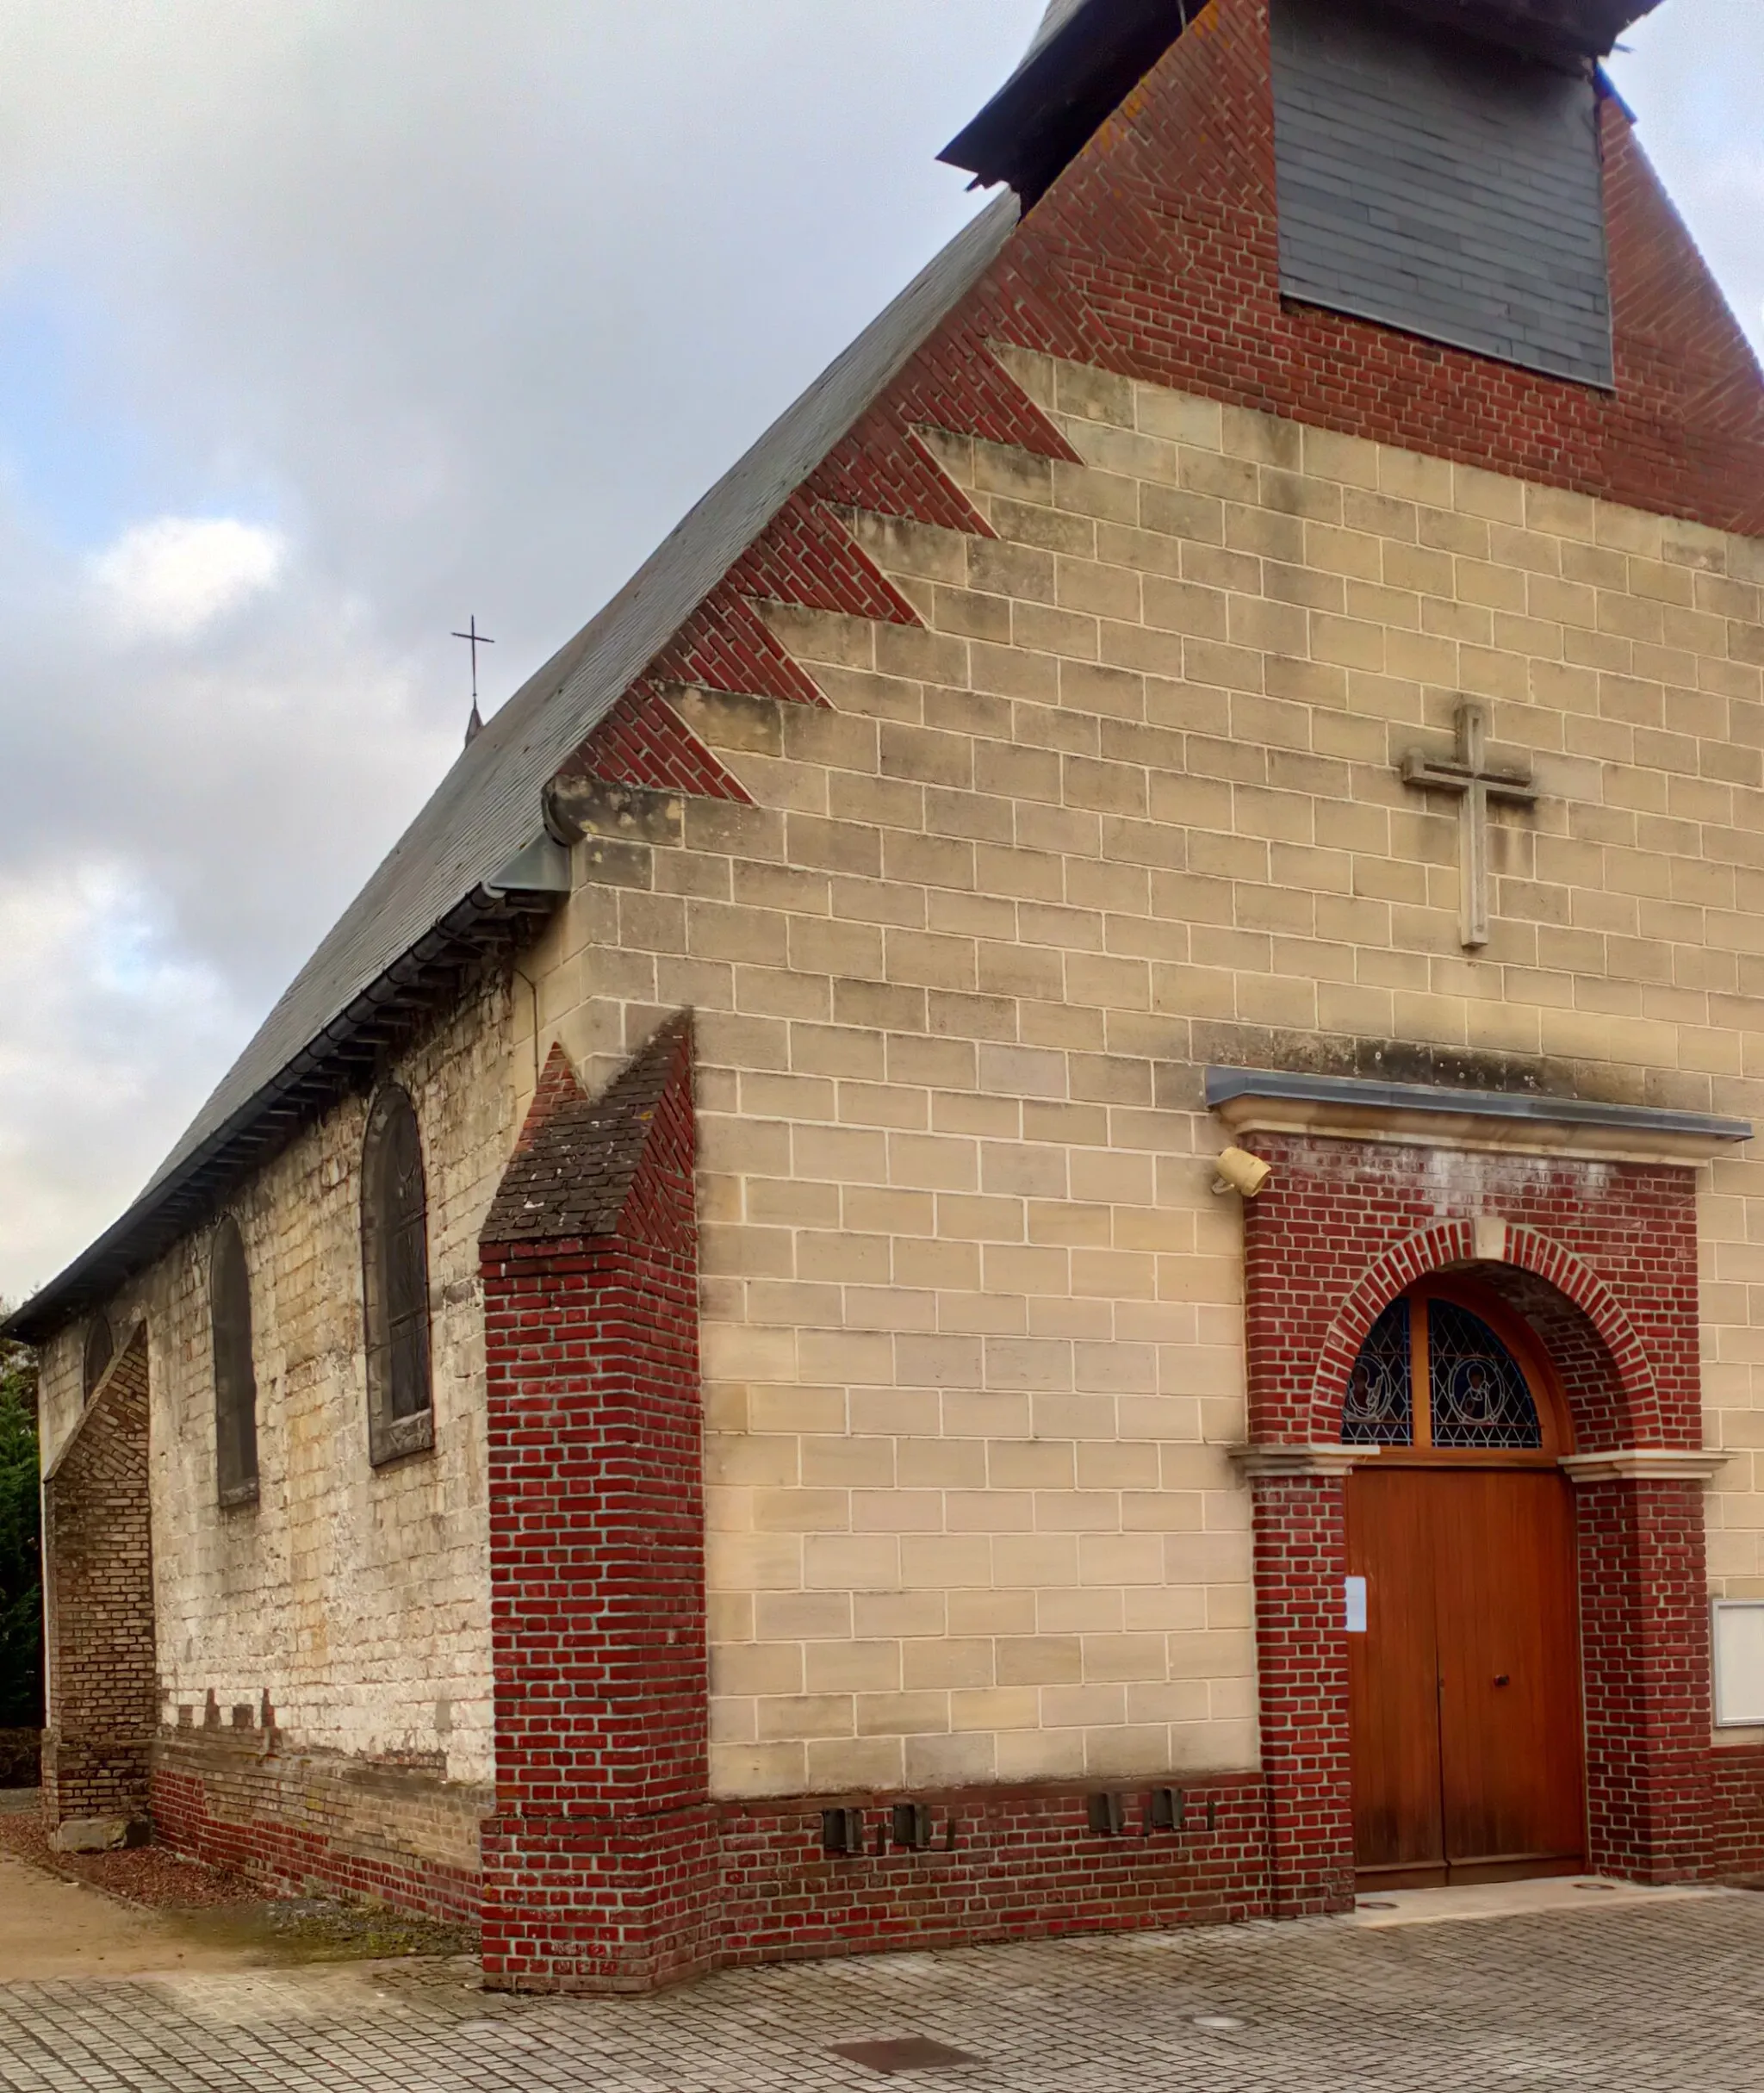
327,323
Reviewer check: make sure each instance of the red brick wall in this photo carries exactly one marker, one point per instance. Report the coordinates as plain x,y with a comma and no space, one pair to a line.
1736,1846
1005,1864
103,1703
1301,1529
1157,255
1644,1625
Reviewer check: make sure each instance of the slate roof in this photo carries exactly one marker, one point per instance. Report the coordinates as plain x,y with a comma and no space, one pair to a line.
487,810
570,1176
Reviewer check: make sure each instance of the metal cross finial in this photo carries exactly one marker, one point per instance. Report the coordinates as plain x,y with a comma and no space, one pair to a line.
476,639
1467,774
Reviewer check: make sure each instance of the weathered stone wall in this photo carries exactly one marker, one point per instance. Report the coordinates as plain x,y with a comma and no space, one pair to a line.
348,1609
98,1627
1128,804
60,1389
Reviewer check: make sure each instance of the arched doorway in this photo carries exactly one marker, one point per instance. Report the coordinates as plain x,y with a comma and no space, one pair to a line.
1464,1669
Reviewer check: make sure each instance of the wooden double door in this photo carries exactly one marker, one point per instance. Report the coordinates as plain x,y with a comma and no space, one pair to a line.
1465,1683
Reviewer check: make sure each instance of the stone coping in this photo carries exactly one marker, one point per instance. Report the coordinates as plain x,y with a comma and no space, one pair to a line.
1284,1462
1434,1116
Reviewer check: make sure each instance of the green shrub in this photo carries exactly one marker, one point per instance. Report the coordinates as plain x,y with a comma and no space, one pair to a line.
21,1555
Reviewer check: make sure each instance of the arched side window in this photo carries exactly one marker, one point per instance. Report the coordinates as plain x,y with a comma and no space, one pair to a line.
235,1375
101,1349
1436,1375
395,1280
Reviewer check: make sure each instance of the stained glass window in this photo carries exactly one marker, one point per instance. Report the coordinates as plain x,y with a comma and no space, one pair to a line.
1479,1395
1380,1407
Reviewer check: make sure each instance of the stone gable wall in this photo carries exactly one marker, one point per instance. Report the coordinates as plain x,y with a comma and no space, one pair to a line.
1127,804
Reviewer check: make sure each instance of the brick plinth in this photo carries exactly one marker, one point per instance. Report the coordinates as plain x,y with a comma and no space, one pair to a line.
389,1835
1004,1864
98,1577
1735,1844
599,1861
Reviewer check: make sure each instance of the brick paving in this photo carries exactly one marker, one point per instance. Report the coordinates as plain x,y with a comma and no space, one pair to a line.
1625,2000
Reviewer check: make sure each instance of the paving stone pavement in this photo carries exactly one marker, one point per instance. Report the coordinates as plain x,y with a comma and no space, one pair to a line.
1624,2001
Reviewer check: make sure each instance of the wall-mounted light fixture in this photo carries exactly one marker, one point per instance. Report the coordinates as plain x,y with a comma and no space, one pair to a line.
1237,1170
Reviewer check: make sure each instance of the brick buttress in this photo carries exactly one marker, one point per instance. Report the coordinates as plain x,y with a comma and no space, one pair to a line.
600,1862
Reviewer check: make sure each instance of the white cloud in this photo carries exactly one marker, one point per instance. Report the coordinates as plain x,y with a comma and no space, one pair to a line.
106,1023
172,578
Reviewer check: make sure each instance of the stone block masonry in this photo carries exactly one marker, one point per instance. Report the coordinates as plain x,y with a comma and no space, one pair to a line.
351,1600
1131,802
607,1865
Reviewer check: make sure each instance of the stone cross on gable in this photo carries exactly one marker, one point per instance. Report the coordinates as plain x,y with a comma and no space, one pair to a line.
1467,774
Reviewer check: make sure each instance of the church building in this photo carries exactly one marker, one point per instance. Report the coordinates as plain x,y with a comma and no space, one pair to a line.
1031,1206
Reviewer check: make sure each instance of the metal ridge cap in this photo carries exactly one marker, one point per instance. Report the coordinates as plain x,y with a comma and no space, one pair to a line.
1225,1086
1071,53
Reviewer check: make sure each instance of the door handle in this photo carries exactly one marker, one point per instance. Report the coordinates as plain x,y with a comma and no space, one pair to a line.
1503,1678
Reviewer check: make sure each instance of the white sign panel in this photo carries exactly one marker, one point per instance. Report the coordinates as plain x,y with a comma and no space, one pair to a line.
1739,1663
1355,1605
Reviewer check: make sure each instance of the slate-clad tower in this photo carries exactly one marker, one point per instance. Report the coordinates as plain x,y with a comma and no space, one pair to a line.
1030,1207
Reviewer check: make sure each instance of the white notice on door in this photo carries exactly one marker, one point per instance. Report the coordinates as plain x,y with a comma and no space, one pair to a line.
1355,1605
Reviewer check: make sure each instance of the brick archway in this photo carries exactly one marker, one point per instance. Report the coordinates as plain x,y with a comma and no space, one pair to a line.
1626,1413
1600,1259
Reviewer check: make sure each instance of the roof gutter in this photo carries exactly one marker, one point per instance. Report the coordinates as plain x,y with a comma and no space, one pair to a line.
492,920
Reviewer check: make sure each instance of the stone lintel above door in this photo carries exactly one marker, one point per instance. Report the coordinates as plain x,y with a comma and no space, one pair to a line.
1646,1464
1436,1115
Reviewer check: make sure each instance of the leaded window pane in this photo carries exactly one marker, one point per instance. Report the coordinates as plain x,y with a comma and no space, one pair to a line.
1480,1396
1379,1408
395,1279
235,1376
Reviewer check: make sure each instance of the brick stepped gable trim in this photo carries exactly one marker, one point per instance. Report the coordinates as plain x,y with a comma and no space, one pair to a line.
808,559
1156,256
